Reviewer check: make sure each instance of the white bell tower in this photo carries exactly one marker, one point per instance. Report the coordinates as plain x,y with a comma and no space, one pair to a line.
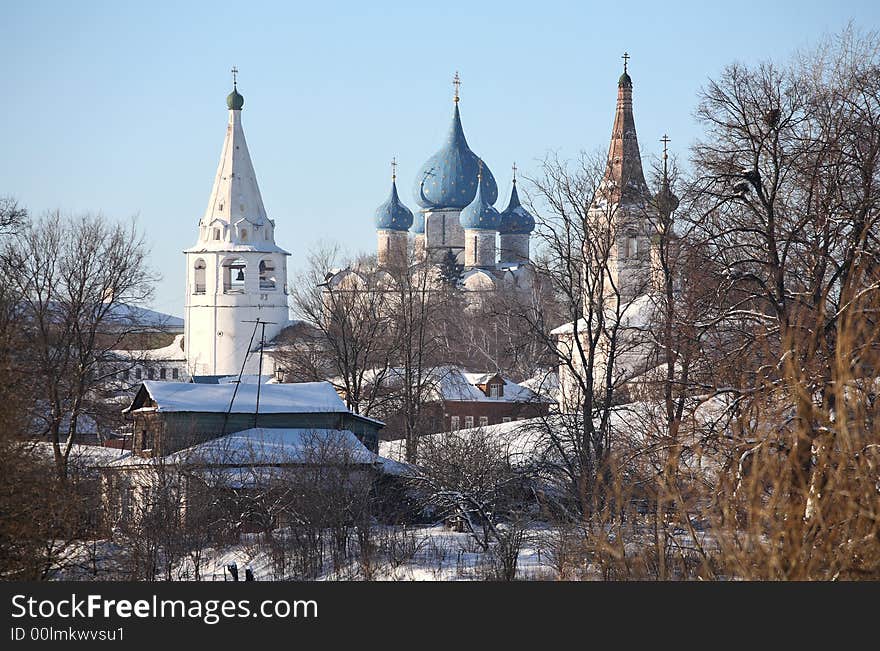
235,273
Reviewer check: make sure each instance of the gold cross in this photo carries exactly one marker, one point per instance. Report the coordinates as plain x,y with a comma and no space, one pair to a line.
234,77
514,173
665,140
394,168
456,82
626,57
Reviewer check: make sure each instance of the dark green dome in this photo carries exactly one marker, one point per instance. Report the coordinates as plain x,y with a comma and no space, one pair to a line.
625,80
234,100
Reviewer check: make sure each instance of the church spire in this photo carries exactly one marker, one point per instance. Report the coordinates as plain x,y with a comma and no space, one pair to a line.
235,195
624,177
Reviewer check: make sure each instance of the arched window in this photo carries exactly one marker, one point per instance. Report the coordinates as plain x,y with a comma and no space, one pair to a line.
267,274
199,277
244,235
233,276
216,233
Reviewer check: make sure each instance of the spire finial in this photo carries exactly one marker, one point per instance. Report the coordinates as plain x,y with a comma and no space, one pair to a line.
665,140
234,77
394,169
456,83
626,57
514,172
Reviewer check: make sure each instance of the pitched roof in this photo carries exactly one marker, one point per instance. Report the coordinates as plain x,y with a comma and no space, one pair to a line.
304,397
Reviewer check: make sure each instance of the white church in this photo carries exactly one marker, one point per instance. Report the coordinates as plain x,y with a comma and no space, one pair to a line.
235,273
236,278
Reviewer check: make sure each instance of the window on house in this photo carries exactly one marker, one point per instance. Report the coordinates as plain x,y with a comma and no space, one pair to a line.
138,373
151,373
454,423
162,374
175,374
505,419
484,420
199,276
468,421
495,391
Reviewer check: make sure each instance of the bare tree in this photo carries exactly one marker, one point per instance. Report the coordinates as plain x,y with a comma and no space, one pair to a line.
72,280
347,341
789,183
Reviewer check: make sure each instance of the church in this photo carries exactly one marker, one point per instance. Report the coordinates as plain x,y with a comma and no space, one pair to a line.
457,225
236,275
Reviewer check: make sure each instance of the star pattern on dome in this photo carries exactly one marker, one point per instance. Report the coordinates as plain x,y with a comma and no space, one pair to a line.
448,179
393,215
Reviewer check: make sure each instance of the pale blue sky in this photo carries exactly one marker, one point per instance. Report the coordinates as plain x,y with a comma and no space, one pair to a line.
120,107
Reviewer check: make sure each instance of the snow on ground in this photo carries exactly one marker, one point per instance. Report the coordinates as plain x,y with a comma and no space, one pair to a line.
421,554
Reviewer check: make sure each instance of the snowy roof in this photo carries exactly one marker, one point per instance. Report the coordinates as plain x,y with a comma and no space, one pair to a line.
261,445
304,397
171,352
454,383
638,313
544,383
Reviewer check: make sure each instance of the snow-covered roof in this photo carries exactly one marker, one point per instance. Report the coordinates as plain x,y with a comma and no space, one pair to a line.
454,383
262,445
173,352
303,397
544,383
638,313
461,385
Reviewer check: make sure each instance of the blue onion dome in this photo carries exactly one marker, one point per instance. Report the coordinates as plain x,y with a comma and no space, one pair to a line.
516,220
418,226
393,215
479,214
448,179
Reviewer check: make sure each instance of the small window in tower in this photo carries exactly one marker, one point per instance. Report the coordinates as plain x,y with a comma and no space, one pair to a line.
221,207
267,274
199,277
216,233
632,246
175,374
163,373
244,235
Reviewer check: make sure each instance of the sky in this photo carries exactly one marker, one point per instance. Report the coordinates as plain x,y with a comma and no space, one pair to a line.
118,108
